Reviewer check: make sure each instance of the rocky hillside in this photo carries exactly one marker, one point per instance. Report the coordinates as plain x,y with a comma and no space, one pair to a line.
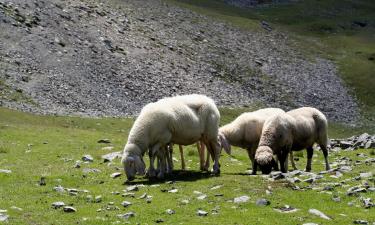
109,58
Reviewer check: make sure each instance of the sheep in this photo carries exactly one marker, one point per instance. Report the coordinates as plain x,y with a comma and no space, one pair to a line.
245,130
292,131
181,120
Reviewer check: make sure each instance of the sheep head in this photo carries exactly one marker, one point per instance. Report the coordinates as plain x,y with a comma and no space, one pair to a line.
133,163
264,158
224,143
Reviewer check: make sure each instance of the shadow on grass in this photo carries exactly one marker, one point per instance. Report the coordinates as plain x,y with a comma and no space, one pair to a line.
177,175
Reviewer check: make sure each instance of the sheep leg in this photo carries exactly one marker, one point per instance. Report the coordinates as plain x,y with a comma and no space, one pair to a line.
251,155
169,152
163,162
207,163
310,152
182,157
201,156
215,154
291,158
152,154
325,153
282,158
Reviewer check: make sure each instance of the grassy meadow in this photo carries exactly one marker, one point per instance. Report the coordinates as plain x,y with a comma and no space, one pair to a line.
34,146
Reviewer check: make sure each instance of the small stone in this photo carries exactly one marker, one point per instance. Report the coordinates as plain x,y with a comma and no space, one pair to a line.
89,198
360,222
336,199
216,187
126,215
87,158
3,217
144,195
286,209
160,220
310,224
175,190
5,171
365,175
57,205
115,175
132,188
126,203
319,213
202,197
355,190
149,199
77,164
111,156
59,189
170,211
241,199
262,202
16,208
185,202
367,202
309,180
98,199
69,209
202,213
104,141
108,148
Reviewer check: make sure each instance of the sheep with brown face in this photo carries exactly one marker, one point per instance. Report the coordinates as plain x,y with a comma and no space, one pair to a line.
292,131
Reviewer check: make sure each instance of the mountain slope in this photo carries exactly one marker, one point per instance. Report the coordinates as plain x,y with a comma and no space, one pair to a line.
110,58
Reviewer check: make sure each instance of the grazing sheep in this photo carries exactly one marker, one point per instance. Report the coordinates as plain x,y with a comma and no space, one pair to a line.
245,130
181,120
292,131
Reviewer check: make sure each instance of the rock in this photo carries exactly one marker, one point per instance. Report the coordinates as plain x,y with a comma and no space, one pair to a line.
360,222
286,209
42,181
202,197
262,202
91,170
276,175
59,42
355,190
345,144
367,203
174,190
144,195
310,224
241,199
16,208
370,144
126,203
318,213
59,189
159,220
89,198
309,180
5,171
202,213
345,169
328,188
87,158
111,156
149,199
104,141
108,148
170,211
336,199
127,215
365,175
69,209
3,217
216,187
57,205
98,199
77,164
185,202
115,175
132,188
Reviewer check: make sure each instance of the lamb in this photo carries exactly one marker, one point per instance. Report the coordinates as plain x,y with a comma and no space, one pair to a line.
292,131
246,129
181,120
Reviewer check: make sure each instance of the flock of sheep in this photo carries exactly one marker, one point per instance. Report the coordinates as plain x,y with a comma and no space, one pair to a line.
269,135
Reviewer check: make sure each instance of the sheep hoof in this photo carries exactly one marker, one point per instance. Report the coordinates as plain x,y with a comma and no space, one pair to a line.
151,173
160,176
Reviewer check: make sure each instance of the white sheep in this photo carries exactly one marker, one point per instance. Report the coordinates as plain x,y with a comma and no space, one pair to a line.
181,120
292,131
246,129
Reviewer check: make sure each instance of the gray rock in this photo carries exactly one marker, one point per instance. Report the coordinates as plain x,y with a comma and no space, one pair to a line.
98,198
87,158
370,144
69,209
91,170
262,202
355,190
3,217
309,180
132,188
319,213
202,213
286,209
127,215
365,175
360,222
202,197
336,199
59,189
367,203
170,211
57,205
310,224
111,156
77,164
160,220
5,171
126,203
115,175
241,199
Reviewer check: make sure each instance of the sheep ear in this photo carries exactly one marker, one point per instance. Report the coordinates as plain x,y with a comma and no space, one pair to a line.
129,160
224,144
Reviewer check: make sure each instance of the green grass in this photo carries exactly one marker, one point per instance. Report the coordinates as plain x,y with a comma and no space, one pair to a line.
35,146
322,28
